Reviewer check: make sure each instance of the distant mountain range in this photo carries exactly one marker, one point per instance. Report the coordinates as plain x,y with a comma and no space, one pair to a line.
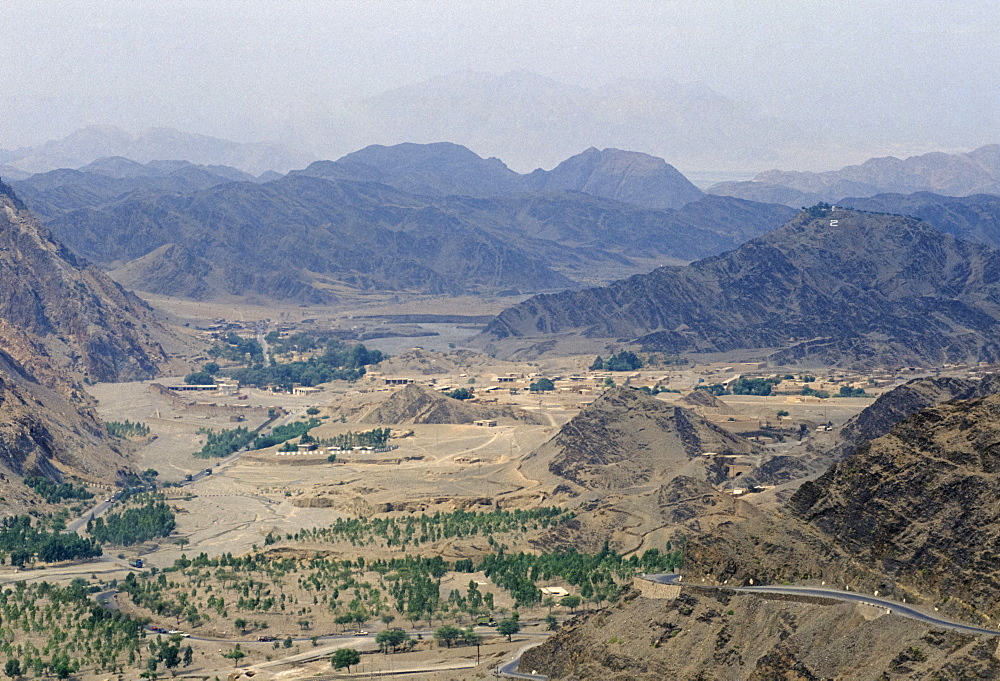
977,172
532,121
443,169
101,141
422,218
837,287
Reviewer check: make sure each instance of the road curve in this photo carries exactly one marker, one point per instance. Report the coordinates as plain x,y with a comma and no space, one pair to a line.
847,596
510,670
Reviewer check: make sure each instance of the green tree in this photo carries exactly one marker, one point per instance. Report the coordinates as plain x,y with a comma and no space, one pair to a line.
447,633
508,627
241,624
345,657
571,601
12,668
391,639
199,378
542,385
551,621
236,654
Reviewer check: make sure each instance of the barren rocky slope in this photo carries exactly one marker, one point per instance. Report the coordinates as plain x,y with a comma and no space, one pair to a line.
830,287
54,300
724,636
911,515
973,218
626,439
60,319
420,404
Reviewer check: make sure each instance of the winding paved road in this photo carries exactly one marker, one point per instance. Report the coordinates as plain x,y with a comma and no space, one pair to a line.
848,596
510,669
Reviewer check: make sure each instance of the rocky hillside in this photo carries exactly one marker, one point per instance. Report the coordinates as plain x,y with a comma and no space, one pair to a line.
304,237
878,419
725,636
58,313
911,515
45,433
101,141
626,439
973,218
627,176
420,404
443,169
919,505
832,287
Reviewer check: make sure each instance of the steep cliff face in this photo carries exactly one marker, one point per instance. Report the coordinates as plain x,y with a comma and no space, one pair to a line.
840,288
60,320
44,432
52,300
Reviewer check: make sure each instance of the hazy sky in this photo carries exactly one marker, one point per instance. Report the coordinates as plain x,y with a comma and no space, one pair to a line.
920,74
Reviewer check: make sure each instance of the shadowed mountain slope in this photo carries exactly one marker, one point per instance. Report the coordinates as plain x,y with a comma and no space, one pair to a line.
303,237
909,516
52,299
973,218
836,288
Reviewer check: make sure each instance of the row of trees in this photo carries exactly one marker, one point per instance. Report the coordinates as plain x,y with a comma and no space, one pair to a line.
284,433
133,526
24,540
222,443
423,528
127,428
54,492
376,437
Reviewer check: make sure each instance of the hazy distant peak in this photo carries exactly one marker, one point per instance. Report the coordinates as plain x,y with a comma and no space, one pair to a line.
628,176
117,166
94,142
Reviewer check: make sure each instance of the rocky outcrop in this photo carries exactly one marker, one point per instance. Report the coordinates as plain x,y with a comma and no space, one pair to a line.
420,404
626,438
